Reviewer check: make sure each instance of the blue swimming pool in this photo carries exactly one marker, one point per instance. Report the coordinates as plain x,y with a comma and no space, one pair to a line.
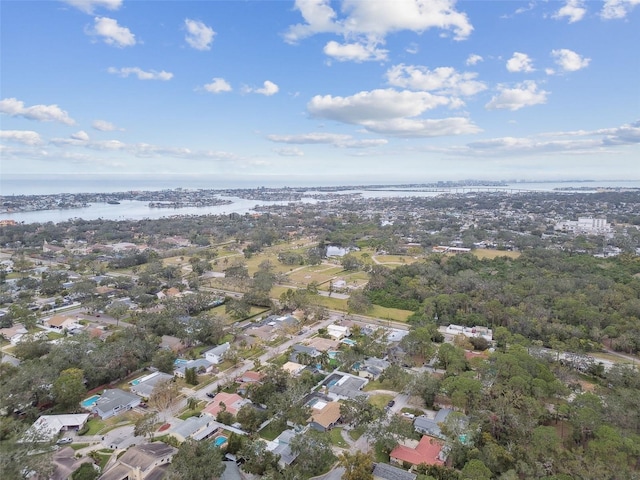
90,402
221,440
180,361
135,382
348,341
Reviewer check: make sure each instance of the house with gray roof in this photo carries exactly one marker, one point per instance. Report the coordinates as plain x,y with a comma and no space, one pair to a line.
383,471
303,349
115,401
197,428
431,426
281,446
202,365
341,386
144,386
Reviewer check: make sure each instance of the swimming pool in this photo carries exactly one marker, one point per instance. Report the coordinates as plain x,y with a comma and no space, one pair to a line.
219,441
180,361
333,354
135,382
348,341
90,402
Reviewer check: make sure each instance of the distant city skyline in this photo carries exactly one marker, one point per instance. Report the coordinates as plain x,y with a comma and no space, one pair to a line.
346,92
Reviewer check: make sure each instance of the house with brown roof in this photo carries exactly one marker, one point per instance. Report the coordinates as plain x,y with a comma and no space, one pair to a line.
250,377
428,451
59,322
65,462
142,462
14,333
324,415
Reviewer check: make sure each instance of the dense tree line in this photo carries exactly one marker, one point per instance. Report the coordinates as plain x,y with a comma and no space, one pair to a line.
576,302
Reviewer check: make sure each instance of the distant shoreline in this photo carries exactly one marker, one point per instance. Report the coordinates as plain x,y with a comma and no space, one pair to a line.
37,184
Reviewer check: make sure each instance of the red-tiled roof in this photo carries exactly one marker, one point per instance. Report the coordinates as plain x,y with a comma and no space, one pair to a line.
427,451
230,401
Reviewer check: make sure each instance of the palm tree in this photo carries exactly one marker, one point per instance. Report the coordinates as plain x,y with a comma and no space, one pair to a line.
324,359
303,358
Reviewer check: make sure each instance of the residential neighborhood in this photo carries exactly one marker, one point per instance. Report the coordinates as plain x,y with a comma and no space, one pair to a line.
267,357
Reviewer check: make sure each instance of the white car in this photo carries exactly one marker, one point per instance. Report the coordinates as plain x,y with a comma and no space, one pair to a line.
64,441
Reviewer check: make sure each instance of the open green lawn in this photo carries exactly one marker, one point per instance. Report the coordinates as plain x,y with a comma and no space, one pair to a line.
336,438
380,399
395,260
78,446
95,425
332,303
308,274
272,430
356,433
385,313
189,413
491,254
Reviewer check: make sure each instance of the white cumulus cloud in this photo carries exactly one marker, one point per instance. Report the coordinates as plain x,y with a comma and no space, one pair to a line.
376,19
141,74
80,135
617,9
268,88
520,62
474,59
416,128
568,60
103,126
89,6
217,85
199,35
445,80
522,95
112,33
356,52
391,112
26,137
381,104
573,10
42,113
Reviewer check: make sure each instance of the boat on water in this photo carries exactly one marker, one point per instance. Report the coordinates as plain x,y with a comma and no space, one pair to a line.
113,202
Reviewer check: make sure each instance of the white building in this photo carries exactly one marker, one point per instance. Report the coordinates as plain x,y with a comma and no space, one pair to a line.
338,331
588,225
216,354
476,331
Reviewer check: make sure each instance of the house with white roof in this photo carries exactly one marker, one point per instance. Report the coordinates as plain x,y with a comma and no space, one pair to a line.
216,354
48,427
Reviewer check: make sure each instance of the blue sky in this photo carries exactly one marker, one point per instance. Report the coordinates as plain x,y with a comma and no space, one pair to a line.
365,90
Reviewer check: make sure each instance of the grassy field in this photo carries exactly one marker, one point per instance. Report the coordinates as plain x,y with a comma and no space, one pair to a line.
336,438
305,275
482,253
380,400
395,260
271,431
385,313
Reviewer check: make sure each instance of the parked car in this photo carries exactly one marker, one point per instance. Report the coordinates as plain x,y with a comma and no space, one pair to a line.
391,403
210,395
64,441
